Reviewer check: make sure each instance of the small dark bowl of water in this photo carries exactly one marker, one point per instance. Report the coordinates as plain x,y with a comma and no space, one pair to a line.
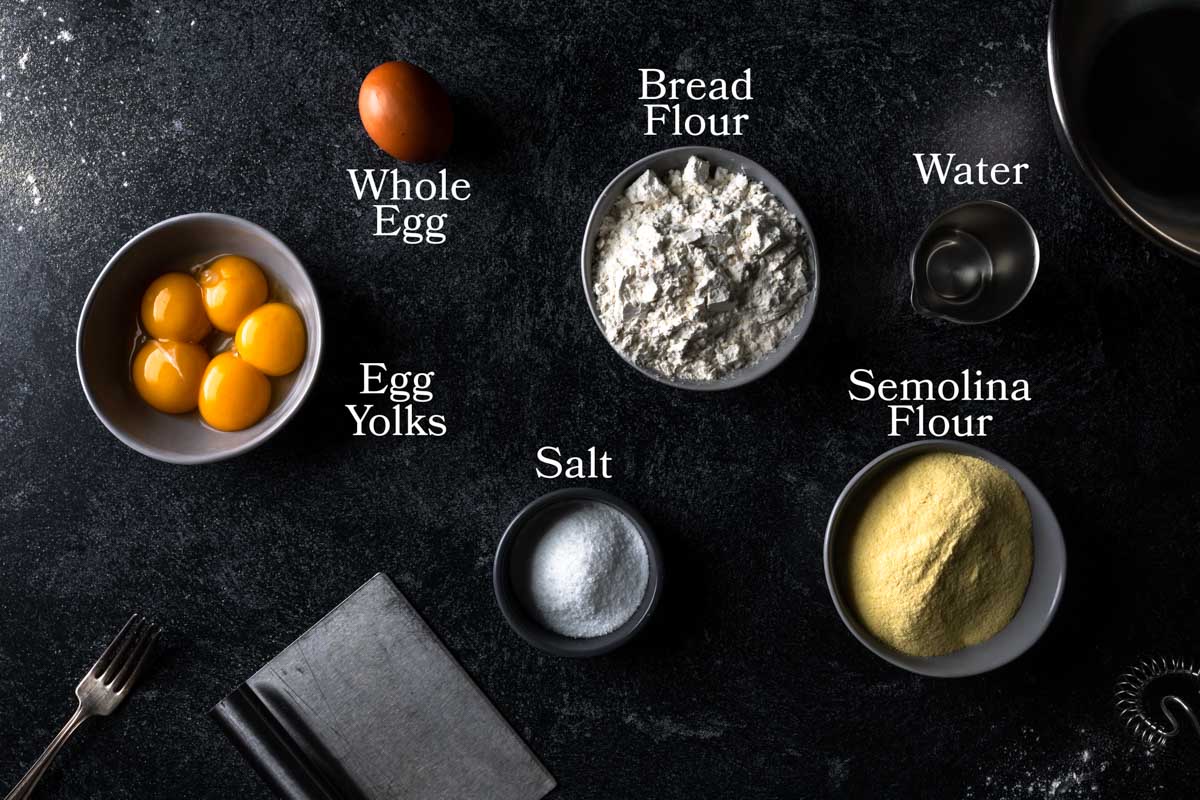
1126,98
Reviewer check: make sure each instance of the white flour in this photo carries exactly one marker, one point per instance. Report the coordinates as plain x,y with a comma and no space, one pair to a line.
700,275
588,572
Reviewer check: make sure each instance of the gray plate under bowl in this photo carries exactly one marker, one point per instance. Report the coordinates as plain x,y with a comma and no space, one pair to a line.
676,158
108,327
1041,598
510,549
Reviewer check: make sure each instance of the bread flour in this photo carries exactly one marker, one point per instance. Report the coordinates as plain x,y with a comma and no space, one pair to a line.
699,275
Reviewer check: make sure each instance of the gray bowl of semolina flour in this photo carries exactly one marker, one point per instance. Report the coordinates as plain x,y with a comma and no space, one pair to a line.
944,559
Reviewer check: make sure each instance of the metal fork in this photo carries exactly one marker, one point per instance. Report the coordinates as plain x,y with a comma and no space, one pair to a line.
106,684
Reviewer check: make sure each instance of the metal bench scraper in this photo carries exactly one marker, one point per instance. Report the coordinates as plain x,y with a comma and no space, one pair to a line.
368,704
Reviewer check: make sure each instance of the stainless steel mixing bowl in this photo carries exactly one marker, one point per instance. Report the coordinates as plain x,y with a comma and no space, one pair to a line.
1078,32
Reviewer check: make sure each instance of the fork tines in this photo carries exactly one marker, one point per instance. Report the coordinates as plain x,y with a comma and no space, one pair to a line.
122,661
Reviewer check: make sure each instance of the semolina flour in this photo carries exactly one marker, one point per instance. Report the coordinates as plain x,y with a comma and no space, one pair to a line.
940,556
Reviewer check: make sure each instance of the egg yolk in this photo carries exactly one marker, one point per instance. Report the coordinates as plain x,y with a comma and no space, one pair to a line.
233,394
232,287
167,375
173,309
272,338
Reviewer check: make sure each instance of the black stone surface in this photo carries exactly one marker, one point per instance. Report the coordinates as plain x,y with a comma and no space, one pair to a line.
747,685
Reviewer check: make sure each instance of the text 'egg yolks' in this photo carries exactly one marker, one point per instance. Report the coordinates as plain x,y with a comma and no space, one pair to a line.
232,287
272,338
168,374
173,309
233,394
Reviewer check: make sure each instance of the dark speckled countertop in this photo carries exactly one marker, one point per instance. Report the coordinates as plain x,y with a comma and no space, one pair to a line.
747,685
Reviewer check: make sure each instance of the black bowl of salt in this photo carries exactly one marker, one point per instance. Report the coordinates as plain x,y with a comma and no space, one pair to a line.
578,573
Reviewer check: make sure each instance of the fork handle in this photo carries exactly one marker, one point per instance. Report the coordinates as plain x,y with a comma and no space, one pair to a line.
24,787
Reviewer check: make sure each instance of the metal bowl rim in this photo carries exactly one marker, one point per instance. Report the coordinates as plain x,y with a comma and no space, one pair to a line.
1087,164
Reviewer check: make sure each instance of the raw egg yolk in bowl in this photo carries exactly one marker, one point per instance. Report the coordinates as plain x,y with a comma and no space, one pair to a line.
167,375
233,394
272,338
232,287
172,308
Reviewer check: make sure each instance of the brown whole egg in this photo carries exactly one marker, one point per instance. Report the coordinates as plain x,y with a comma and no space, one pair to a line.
406,112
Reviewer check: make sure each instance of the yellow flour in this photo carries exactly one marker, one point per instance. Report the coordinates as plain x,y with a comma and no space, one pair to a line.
940,555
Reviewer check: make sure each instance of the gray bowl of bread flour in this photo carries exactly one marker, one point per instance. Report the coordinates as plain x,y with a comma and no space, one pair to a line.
700,268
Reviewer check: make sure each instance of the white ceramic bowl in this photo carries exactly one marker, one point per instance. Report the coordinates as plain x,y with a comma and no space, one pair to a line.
676,158
108,326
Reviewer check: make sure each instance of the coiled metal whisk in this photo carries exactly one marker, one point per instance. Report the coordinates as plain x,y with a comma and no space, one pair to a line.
1159,685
